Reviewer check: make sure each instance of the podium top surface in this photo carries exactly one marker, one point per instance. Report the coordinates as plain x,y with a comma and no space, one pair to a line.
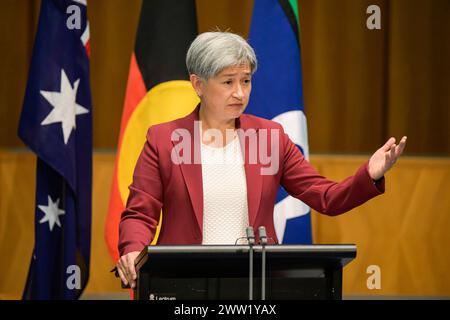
329,248
163,257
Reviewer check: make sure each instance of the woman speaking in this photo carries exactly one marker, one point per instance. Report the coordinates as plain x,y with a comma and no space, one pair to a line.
217,171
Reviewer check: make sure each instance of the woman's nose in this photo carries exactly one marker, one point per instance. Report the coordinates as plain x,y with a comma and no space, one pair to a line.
238,92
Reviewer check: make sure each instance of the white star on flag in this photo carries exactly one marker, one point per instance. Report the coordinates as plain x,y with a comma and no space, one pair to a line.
52,213
65,107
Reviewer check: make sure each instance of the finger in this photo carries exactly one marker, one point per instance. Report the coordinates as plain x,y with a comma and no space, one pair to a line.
400,147
388,144
387,156
122,264
122,276
130,270
392,152
125,269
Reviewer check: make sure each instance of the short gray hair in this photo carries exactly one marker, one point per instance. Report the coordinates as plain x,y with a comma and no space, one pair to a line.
211,52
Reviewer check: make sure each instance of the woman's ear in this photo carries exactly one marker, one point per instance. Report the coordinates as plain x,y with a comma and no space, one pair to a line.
197,84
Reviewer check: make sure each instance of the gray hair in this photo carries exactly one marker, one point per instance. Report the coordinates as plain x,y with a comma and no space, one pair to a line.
211,52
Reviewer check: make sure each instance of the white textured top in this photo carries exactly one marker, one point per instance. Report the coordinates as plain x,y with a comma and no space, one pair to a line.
225,209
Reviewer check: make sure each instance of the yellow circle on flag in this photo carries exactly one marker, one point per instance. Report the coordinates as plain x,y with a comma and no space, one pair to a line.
166,101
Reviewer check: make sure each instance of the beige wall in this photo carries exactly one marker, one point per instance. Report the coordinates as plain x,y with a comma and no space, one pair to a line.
404,232
360,86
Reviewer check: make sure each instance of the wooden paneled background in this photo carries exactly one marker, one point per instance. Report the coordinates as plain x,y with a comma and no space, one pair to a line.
404,231
360,87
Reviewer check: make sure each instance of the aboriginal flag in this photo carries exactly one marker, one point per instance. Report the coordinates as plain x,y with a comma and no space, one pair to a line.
158,90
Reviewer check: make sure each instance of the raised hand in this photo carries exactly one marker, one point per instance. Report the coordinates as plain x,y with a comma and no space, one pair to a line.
384,158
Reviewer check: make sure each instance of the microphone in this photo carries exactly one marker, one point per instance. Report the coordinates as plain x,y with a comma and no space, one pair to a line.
250,235
262,235
263,242
251,241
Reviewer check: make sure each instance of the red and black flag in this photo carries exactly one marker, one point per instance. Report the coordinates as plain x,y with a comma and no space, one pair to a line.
158,90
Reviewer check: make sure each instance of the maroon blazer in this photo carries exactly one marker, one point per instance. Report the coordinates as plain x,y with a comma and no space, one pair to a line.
177,189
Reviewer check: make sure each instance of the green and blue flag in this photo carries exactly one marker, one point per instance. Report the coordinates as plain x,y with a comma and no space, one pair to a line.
277,94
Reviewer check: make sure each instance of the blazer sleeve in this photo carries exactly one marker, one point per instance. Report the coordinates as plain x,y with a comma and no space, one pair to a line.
141,216
303,182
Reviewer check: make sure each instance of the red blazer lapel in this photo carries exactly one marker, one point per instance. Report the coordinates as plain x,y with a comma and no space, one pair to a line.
192,172
252,168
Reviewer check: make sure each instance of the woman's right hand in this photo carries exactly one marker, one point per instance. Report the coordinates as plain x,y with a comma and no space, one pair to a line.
126,269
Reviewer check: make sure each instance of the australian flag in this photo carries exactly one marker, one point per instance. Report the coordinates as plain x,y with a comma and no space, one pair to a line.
56,123
277,95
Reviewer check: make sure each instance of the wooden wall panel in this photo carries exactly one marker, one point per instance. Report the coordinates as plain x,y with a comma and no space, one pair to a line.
18,21
360,85
404,231
343,76
113,26
419,74
17,195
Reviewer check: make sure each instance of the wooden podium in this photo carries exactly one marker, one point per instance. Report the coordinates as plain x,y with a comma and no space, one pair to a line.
207,272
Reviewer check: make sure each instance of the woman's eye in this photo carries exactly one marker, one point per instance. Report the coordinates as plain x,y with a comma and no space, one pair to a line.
228,82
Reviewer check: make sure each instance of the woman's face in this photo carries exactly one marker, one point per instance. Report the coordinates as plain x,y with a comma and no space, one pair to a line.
226,95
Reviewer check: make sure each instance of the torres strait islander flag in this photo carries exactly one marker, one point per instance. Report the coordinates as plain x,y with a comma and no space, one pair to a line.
277,94
158,90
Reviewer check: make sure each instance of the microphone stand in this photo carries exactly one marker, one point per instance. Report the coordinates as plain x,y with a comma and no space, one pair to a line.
251,242
263,241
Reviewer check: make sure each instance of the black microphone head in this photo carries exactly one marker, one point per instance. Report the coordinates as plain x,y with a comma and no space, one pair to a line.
250,235
262,235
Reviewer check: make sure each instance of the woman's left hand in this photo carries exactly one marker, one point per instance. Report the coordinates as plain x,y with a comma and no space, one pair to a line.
385,157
